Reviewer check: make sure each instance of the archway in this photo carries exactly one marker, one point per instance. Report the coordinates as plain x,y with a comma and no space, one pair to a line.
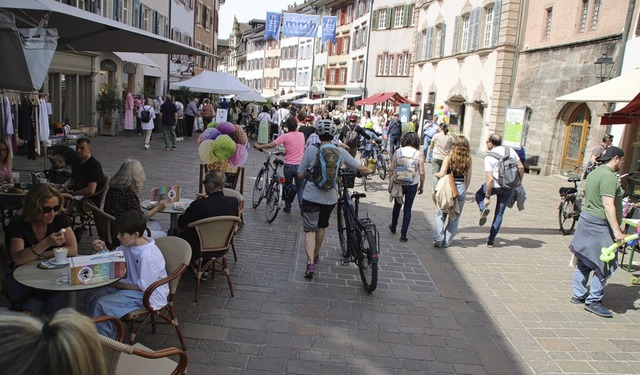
575,137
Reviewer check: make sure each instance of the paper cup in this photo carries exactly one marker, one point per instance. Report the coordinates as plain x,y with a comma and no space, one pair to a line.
61,254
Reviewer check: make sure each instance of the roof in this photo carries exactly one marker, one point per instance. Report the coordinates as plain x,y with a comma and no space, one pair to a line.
383,97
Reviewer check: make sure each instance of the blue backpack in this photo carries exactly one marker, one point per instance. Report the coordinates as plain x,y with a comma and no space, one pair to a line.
325,168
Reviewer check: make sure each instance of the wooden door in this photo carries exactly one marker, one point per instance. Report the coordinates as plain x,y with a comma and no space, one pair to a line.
575,138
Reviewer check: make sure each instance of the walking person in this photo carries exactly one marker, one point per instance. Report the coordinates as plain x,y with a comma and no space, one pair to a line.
409,158
441,146
458,163
430,129
208,112
190,115
169,122
492,187
146,121
394,133
180,126
599,227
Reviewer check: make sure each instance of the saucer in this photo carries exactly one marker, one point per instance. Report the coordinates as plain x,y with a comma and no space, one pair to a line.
180,206
56,263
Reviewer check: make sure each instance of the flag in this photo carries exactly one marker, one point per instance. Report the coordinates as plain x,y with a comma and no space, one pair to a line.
272,28
303,25
329,28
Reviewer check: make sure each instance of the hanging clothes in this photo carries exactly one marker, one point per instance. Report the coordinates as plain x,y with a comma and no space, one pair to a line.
129,124
44,120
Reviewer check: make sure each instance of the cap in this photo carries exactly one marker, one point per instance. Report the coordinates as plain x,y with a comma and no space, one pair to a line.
612,152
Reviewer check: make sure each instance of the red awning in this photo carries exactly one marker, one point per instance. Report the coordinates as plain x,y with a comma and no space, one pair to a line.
381,97
625,115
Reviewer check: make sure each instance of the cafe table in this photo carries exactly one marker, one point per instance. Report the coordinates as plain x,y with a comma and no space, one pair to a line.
170,209
30,275
10,202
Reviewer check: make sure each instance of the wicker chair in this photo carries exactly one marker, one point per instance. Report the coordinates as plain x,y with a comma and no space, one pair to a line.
124,359
82,215
216,236
177,255
234,193
103,222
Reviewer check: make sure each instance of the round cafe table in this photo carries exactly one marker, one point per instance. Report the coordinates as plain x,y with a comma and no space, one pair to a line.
168,210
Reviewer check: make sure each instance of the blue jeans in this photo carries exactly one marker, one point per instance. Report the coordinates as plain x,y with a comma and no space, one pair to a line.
291,176
409,192
446,234
580,279
503,196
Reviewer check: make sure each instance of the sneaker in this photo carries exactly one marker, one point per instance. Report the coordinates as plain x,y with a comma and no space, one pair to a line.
392,229
316,259
489,243
166,148
311,269
483,216
146,146
403,238
598,309
287,210
437,244
577,301
173,149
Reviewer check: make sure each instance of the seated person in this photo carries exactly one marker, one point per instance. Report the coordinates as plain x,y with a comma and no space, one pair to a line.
65,345
86,177
122,196
212,203
6,162
33,236
60,172
145,266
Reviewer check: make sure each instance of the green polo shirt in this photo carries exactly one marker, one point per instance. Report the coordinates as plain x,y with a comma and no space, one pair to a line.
602,182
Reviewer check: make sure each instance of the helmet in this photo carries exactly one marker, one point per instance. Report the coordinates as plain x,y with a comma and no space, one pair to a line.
326,127
368,125
353,119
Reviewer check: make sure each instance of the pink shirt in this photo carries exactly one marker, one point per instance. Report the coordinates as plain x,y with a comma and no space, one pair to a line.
293,145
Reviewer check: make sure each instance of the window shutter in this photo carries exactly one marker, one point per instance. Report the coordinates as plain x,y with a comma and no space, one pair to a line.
97,6
166,27
443,37
456,33
136,13
389,17
374,20
429,43
474,32
407,16
116,10
418,43
365,35
497,14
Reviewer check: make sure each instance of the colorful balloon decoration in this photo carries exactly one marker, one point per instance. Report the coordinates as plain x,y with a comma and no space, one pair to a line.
223,146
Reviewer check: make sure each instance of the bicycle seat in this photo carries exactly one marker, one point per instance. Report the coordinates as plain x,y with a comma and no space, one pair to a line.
278,162
573,179
358,195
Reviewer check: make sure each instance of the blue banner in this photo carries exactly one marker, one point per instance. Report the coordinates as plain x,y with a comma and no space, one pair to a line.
329,28
303,25
272,26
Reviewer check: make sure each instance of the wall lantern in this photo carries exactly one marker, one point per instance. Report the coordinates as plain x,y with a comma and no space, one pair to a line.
603,67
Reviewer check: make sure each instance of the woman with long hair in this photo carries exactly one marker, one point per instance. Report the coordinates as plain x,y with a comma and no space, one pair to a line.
6,162
458,163
122,196
441,145
408,152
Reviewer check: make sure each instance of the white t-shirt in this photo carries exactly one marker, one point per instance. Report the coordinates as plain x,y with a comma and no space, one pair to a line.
491,163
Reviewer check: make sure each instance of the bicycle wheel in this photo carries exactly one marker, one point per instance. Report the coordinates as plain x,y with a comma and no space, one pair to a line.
342,231
381,166
258,186
273,201
566,218
367,260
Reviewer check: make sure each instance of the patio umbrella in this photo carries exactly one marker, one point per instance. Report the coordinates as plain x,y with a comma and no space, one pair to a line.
625,115
213,83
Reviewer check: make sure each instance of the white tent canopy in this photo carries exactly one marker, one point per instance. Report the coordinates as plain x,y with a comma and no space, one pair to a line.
251,96
307,101
213,83
620,89
292,95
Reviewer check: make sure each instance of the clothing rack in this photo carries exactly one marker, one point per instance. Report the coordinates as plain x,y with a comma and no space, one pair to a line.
35,99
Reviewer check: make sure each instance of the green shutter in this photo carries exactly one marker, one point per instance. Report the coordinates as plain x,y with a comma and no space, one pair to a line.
497,14
407,16
389,17
374,20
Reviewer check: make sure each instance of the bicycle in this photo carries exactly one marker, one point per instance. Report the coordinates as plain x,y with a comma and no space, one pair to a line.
570,206
269,187
359,238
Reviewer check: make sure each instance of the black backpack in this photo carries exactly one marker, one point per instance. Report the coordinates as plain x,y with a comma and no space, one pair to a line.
145,114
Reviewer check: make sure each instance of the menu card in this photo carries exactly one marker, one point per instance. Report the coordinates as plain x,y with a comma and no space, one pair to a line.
172,193
91,269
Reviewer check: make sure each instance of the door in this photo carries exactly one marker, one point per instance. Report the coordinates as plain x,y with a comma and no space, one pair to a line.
575,138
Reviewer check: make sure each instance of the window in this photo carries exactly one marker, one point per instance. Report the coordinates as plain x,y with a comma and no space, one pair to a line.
438,40
583,15
596,13
198,13
386,65
488,27
547,23
465,34
405,69
345,45
349,12
400,65
391,71
398,13
145,19
125,12
380,64
382,18
343,75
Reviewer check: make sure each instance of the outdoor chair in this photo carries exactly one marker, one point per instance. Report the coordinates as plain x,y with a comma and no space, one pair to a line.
82,217
125,359
216,236
104,223
234,193
177,255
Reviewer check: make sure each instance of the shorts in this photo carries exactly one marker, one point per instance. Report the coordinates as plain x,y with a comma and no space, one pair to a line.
315,215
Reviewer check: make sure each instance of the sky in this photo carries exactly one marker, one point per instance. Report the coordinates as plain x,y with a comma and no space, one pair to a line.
246,10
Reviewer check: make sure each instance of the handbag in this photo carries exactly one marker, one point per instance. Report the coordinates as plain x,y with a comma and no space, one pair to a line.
452,185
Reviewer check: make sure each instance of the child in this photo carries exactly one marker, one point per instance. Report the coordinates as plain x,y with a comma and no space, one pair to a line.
60,172
145,265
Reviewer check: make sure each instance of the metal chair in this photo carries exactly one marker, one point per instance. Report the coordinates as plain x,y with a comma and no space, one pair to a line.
234,193
216,236
177,255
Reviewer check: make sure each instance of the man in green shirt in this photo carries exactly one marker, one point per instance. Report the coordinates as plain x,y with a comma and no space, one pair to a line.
599,227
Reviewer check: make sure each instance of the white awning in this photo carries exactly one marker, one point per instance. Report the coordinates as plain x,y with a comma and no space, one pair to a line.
332,98
293,95
350,96
136,58
621,89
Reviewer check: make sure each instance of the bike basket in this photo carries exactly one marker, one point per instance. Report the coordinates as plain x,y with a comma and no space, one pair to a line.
567,190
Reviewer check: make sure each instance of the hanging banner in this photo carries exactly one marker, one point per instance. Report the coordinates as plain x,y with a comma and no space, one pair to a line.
329,28
272,28
303,25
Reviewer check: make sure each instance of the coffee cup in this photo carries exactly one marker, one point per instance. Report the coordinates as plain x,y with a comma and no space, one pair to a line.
61,254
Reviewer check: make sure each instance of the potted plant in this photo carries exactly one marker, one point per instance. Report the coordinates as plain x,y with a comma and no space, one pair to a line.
108,106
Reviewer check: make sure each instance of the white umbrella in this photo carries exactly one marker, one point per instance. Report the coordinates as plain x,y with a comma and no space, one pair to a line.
250,96
306,101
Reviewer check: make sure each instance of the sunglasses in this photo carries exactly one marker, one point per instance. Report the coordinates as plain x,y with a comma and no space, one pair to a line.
47,209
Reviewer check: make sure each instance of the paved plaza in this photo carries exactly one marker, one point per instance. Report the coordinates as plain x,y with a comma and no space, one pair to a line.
467,309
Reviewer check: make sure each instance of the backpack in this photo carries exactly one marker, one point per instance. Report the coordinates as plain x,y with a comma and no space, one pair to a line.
283,118
405,171
508,174
351,137
145,114
325,168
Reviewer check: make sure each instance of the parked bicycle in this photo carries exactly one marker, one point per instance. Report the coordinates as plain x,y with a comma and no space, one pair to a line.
251,127
570,206
359,238
269,187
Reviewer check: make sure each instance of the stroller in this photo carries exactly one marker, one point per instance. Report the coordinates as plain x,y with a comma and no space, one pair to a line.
53,175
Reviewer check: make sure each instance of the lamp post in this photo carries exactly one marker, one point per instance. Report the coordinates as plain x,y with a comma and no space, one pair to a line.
603,67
